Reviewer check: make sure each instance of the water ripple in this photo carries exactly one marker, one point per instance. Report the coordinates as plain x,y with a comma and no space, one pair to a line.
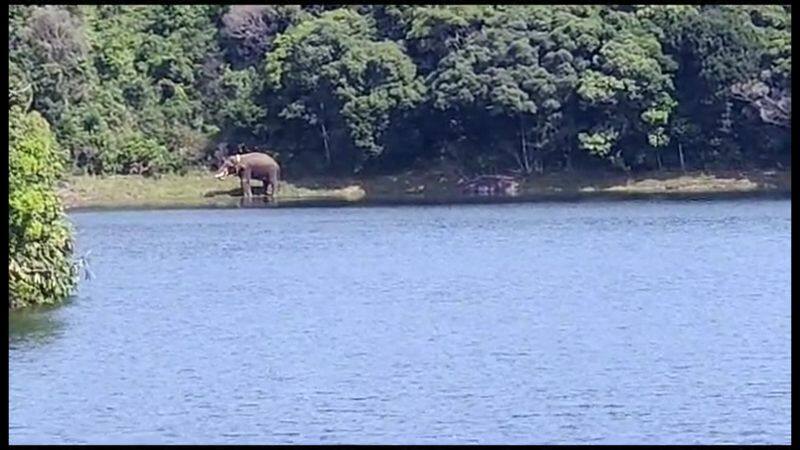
601,323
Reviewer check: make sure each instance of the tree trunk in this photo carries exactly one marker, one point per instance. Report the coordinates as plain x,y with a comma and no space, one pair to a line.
680,156
324,131
325,143
658,158
618,161
527,166
519,161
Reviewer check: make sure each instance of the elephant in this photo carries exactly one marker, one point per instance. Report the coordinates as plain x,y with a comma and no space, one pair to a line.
250,166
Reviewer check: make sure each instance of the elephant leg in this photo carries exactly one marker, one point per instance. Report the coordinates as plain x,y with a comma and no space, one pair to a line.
273,189
246,189
267,184
274,178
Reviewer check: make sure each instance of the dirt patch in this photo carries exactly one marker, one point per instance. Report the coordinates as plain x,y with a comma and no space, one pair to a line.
698,183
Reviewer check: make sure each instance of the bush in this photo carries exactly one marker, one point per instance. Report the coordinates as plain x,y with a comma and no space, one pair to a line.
40,270
132,153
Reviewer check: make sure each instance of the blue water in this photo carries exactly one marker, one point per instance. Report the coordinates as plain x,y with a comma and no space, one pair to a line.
617,322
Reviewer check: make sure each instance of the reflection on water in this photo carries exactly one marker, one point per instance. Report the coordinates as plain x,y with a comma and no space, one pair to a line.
612,323
35,326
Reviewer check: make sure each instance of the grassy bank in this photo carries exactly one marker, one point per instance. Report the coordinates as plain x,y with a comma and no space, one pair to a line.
200,189
192,190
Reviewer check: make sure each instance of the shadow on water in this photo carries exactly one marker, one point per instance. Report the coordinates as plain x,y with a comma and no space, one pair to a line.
237,192
259,198
37,325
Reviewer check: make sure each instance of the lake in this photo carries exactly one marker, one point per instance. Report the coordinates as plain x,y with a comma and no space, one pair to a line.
627,322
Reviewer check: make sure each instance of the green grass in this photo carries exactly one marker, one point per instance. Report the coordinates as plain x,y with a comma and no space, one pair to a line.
190,190
201,189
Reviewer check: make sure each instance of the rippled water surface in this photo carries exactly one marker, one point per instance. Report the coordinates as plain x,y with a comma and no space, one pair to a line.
623,322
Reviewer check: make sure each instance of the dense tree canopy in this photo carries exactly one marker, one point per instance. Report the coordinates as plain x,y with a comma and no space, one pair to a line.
342,89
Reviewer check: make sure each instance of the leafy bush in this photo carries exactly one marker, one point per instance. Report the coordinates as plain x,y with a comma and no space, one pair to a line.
40,269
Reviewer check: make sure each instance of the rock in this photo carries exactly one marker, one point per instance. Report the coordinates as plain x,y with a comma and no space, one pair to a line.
492,185
353,193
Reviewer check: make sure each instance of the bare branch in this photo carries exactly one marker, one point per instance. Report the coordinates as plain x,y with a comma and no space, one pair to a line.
774,107
57,34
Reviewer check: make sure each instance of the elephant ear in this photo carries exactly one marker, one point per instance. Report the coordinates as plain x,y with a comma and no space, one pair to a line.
240,163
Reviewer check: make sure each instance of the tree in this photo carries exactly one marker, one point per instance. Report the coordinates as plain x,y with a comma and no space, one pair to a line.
518,73
53,52
525,88
40,243
330,73
628,89
248,31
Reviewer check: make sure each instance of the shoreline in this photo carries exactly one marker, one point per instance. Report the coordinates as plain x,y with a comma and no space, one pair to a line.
392,202
199,191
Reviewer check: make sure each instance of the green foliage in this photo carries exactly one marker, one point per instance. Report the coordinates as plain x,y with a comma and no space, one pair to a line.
599,143
330,70
40,245
241,110
20,89
134,153
144,84
379,81
337,88
658,137
597,88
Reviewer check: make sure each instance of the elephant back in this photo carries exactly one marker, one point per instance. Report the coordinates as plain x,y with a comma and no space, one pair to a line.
259,158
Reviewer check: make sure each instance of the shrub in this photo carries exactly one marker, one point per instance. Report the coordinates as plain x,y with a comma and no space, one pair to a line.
40,269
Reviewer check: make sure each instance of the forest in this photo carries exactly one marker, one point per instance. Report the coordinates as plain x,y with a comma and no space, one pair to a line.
366,89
